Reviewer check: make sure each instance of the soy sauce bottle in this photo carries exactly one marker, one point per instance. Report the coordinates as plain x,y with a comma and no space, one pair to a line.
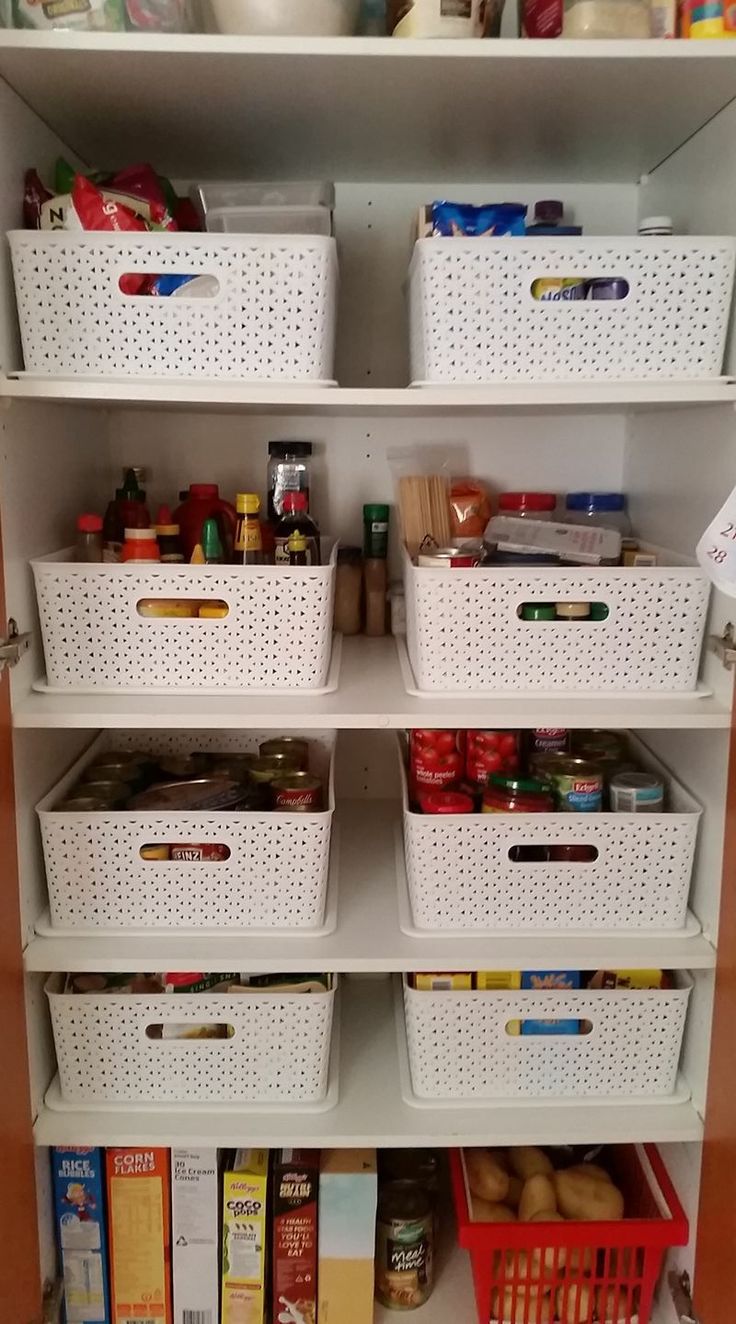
295,519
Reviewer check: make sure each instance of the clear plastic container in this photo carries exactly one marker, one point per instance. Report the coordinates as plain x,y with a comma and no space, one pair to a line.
532,505
246,193
270,220
606,19
605,509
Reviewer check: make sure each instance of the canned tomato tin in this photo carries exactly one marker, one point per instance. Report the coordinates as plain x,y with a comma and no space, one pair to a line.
578,785
490,752
404,1245
200,793
271,767
297,793
446,802
636,793
436,760
294,749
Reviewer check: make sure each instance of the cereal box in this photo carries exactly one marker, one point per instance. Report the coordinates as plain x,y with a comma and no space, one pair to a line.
79,1206
195,1235
139,1225
244,1193
295,1186
348,1194
541,981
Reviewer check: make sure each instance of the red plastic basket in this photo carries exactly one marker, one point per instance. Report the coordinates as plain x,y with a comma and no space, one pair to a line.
576,1273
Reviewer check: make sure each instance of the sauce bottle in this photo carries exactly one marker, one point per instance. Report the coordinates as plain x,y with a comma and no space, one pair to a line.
375,569
298,548
204,502
296,519
141,546
212,543
169,541
127,511
249,538
89,538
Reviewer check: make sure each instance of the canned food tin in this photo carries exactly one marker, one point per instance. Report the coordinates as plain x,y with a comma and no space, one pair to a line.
490,752
555,288
208,851
114,794
271,767
200,793
81,804
462,558
297,793
237,767
113,770
404,1246
292,746
549,740
446,802
636,793
603,742
578,785
184,766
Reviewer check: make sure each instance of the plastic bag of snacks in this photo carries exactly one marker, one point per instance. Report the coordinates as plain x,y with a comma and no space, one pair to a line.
42,15
158,15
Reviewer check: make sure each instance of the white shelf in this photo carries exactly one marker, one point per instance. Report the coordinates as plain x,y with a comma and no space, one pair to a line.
367,937
371,1111
371,695
371,108
344,402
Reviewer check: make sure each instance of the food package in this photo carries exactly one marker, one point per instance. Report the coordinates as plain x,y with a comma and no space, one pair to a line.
436,983
541,18
640,979
139,1228
81,1231
444,18
195,1234
572,543
294,1244
244,1228
542,981
463,220
87,15
470,508
157,15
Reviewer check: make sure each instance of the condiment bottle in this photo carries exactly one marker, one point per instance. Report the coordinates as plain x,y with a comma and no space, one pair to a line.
288,471
298,547
375,570
348,590
127,511
89,538
295,517
204,502
248,538
141,545
169,540
212,543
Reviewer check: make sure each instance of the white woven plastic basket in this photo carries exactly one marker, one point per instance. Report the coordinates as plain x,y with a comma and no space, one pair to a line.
279,1052
276,876
461,877
273,318
474,318
276,636
464,632
466,1045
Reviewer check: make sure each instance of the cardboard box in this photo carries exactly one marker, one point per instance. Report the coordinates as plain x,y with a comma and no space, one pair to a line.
438,982
81,1230
244,1193
139,1232
348,1197
195,1235
540,981
294,1214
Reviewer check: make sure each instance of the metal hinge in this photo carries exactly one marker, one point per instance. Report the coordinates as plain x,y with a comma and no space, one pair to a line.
724,646
14,647
679,1285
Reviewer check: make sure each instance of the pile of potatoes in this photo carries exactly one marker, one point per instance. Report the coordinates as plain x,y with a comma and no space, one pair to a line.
521,1184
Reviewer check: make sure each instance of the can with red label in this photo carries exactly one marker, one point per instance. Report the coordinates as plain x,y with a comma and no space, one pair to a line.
297,793
207,852
548,739
446,802
492,753
436,761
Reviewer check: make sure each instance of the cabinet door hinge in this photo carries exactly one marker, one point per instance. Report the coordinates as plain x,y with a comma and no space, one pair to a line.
679,1285
14,646
724,646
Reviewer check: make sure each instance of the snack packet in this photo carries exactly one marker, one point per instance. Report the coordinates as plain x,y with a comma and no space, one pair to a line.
470,508
463,220
157,15
89,15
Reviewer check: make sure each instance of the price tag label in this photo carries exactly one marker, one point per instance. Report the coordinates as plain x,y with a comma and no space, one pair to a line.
716,551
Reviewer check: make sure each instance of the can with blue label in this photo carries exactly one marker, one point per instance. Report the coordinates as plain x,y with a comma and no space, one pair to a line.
578,785
637,793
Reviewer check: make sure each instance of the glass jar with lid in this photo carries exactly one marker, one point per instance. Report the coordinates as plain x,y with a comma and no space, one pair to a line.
288,471
606,18
607,509
529,505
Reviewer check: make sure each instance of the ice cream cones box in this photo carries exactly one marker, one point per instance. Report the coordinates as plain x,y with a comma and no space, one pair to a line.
348,1194
78,1176
195,1249
139,1230
244,1230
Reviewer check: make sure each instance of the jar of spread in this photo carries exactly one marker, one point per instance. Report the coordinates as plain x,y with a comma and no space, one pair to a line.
517,795
404,1245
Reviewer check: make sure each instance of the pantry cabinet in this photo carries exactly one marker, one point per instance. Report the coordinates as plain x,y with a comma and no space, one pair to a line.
619,130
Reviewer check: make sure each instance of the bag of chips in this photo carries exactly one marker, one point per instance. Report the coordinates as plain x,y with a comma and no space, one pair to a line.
87,15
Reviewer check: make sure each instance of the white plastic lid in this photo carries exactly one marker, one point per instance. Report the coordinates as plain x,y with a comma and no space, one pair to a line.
663,223
140,535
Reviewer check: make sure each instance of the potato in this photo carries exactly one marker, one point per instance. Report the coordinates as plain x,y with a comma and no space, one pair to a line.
614,1305
587,1198
537,1197
516,1186
528,1160
580,1261
523,1266
491,1211
593,1170
553,1259
518,1308
575,1303
486,1177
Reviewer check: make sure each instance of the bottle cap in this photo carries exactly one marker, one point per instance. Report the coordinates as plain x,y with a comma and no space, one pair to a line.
165,526
89,523
280,449
659,224
549,211
376,514
572,611
131,489
297,542
211,543
140,535
538,611
527,501
595,501
247,503
203,491
295,502
519,785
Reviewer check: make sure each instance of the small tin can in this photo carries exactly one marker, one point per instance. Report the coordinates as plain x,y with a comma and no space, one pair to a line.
404,1245
113,794
456,558
211,793
292,746
114,770
636,793
269,768
207,851
297,793
237,767
81,804
578,785
184,766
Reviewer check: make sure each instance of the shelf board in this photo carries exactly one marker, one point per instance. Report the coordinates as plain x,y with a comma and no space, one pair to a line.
344,402
371,108
371,695
368,938
371,1111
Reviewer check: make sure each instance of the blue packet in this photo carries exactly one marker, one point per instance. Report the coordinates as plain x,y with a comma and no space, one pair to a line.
463,220
540,980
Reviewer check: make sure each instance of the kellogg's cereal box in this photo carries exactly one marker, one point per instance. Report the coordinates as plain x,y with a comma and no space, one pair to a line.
79,1207
295,1186
139,1231
244,1194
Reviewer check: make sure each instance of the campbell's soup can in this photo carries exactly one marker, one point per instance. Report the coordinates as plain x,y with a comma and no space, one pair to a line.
297,793
492,753
546,740
436,760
